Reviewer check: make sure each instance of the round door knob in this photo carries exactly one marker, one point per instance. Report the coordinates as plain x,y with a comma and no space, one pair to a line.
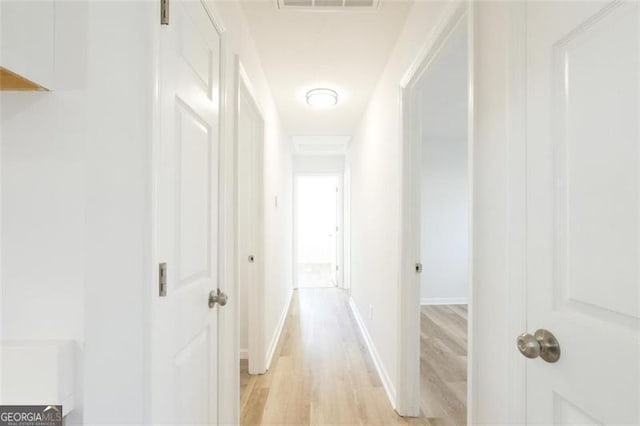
528,346
542,344
217,297
222,299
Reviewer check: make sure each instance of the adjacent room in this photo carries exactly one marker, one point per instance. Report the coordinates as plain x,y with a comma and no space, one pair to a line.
444,236
316,230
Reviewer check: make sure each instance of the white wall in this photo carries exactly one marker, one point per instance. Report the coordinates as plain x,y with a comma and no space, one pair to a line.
75,198
444,234
318,163
118,189
375,178
1,233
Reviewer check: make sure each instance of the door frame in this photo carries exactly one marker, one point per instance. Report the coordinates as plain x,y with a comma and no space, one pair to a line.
516,206
408,370
340,252
257,354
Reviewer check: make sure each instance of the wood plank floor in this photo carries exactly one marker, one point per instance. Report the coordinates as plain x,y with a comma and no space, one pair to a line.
321,373
443,363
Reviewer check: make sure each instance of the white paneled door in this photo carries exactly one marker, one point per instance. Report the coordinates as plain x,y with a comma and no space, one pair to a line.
185,340
583,210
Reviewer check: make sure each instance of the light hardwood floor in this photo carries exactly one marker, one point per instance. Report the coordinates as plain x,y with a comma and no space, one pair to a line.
321,372
443,363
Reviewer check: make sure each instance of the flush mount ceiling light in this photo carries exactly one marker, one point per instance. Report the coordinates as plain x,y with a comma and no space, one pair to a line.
322,98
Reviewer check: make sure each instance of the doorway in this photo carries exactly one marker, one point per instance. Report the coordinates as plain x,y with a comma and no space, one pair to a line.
436,238
318,241
444,231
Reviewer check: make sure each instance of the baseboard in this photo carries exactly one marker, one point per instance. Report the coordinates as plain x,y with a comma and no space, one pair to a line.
377,361
276,336
443,301
244,353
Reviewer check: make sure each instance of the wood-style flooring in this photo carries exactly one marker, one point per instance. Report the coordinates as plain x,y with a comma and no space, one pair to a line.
321,371
443,363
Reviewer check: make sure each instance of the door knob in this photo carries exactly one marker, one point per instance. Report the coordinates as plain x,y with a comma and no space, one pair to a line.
217,297
542,344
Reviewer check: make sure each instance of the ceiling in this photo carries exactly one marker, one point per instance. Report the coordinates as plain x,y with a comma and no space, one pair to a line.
342,50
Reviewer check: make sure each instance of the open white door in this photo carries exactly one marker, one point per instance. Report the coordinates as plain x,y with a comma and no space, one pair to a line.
185,326
250,145
583,210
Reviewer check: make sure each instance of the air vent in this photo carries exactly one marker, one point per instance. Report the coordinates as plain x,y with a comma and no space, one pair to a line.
329,4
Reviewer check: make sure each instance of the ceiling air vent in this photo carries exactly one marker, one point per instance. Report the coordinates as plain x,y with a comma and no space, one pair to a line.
319,5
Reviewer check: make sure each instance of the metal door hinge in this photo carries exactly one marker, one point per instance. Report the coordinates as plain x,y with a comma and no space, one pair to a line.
162,279
164,12
337,268
418,267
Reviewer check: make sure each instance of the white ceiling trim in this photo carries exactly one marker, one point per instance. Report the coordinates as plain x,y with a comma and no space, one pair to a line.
320,145
329,5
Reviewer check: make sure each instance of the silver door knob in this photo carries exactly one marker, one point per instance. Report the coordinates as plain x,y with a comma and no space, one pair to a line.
542,344
216,296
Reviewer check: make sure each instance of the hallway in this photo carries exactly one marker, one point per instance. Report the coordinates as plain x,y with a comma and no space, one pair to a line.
469,225
321,373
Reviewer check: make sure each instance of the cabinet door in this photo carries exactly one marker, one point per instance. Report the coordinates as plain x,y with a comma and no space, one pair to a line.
26,44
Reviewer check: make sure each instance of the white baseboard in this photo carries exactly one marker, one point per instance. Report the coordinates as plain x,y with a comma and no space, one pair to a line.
443,301
377,361
244,353
276,336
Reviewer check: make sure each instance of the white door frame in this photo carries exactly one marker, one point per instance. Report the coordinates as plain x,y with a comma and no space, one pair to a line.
341,229
255,319
516,206
408,392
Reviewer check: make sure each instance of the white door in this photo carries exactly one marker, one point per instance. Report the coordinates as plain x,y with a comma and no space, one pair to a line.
583,210
250,228
185,339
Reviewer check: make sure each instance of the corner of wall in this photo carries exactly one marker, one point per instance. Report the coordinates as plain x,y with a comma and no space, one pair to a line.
275,338
387,383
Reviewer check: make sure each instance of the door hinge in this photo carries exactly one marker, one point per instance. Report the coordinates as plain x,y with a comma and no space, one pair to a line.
418,267
337,268
162,279
164,12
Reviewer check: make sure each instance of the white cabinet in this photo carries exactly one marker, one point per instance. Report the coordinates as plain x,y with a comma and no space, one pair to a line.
26,44
39,372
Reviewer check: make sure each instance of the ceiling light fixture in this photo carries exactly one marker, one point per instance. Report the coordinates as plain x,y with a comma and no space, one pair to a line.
322,98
